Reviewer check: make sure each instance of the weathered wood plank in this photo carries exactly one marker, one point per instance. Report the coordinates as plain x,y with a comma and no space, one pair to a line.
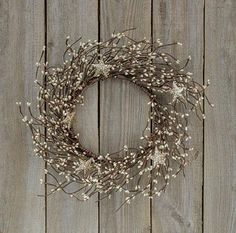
22,38
220,125
123,111
179,209
74,18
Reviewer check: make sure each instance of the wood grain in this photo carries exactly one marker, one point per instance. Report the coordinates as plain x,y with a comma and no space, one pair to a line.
180,208
123,114
74,18
220,125
22,38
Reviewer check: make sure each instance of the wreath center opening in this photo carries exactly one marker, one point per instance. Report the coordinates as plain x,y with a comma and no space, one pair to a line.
114,110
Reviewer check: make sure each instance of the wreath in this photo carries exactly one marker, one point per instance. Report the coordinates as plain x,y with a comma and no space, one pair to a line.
144,170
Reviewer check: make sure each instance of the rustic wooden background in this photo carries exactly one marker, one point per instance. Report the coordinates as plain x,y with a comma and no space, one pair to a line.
204,201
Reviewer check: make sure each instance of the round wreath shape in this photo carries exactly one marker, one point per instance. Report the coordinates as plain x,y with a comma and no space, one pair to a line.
144,170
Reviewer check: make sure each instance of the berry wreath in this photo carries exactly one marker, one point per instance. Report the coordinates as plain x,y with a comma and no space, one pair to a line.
145,170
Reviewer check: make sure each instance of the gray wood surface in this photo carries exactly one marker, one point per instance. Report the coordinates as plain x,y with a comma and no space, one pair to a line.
180,208
220,124
202,202
22,38
74,18
123,110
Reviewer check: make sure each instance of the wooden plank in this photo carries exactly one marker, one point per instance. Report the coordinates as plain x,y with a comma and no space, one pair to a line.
123,114
22,38
180,208
74,18
220,125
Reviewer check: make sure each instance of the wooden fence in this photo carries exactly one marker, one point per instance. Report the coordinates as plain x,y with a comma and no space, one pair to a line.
202,202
